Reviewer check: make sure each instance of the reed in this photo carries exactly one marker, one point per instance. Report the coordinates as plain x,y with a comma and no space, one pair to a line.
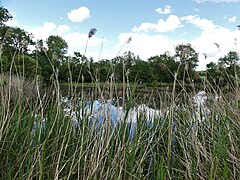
40,140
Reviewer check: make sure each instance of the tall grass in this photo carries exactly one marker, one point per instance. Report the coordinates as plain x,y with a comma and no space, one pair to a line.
38,139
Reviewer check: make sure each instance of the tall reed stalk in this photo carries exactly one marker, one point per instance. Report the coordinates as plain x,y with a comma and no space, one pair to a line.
39,139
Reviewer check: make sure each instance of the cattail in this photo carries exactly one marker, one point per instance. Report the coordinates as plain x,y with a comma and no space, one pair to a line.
92,32
126,42
129,40
217,45
205,55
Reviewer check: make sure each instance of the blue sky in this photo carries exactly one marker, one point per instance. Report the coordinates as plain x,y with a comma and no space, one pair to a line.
156,26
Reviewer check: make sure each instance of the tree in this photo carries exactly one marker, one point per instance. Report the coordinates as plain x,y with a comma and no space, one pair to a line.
4,16
141,71
52,59
187,55
117,64
213,74
40,55
25,66
188,59
57,48
4,64
123,64
15,41
229,68
163,67
130,59
230,59
103,70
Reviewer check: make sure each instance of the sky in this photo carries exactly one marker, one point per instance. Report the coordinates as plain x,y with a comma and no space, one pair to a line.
154,26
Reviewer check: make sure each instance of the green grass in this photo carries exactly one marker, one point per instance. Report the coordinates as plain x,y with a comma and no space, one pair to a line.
211,150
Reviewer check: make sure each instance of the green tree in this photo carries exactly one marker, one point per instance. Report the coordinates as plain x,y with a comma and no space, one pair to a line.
4,64
76,65
213,74
56,60
230,59
25,66
187,55
123,65
57,48
130,59
40,55
141,71
15,41
4,16
230,69
103,70
117,63
188,59
163,67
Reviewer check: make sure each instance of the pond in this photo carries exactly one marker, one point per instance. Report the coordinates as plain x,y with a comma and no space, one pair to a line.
117,105
101,110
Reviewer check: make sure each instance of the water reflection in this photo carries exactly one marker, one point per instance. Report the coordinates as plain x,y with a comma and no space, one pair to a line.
99,112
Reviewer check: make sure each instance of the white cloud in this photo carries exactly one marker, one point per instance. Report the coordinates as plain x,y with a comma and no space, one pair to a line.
79,40
12,22
43,32
203,24
165,10
146,45
232,19
61,29
217,1
79,15
196,9
205,44
210,34
145,27
76,41
171,23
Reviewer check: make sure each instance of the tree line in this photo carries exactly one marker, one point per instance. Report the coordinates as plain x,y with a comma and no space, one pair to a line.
49,60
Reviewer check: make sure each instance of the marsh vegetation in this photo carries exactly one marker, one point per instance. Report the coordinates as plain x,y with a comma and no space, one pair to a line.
186,123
